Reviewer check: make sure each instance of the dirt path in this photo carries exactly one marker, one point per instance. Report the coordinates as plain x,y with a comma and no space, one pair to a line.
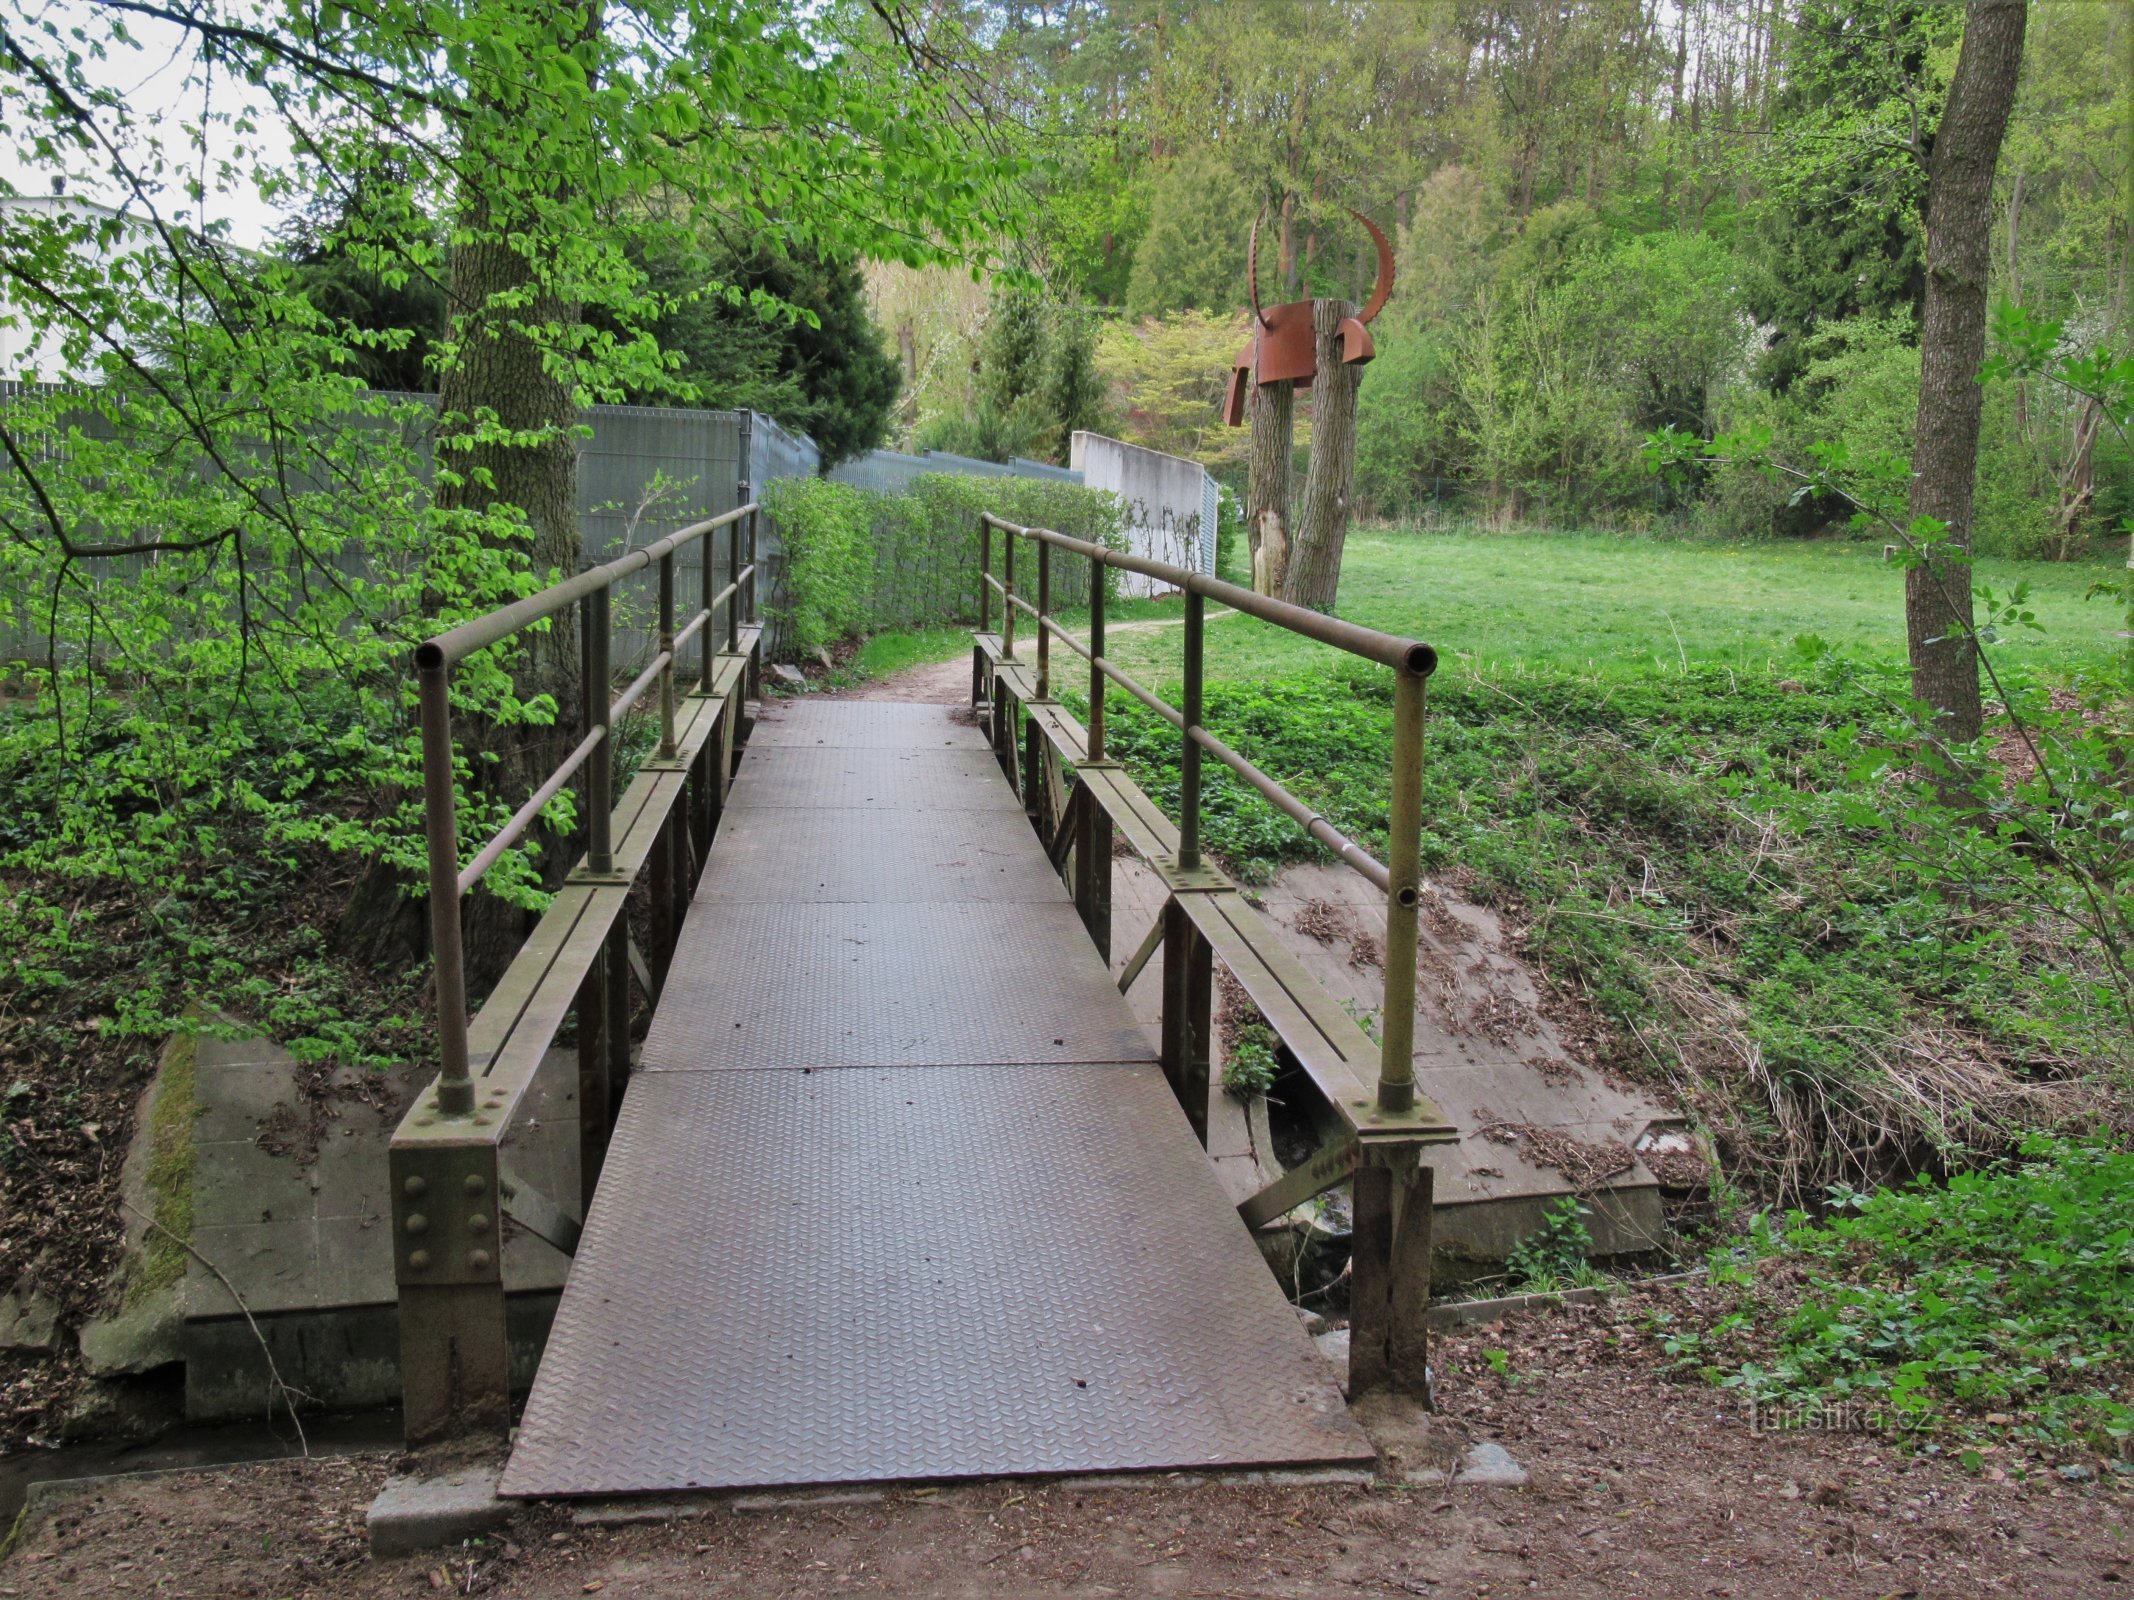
1641,1487
949,682
939,683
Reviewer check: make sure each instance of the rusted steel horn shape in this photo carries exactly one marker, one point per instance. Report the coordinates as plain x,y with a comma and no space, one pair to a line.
1252,265
1383,288
1284,347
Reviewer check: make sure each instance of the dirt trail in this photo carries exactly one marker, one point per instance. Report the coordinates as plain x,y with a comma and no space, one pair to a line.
940,683
1640,1487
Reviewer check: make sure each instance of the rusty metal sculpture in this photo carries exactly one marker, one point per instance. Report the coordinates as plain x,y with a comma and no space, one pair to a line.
1283,347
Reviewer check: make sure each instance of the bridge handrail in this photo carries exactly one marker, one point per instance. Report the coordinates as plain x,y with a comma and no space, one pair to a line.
434,660
1411,661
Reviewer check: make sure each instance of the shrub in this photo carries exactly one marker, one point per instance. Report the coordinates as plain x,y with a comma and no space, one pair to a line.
829,562
858,561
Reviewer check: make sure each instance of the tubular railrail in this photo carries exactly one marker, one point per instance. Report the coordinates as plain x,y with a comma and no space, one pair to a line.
450,1187
1383,1123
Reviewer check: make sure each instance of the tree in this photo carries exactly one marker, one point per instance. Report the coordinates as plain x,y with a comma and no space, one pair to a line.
389,317
289,549
1313,575
1270,412
1035,381
1192,255
1837,235
1952,345
789,335
1168,374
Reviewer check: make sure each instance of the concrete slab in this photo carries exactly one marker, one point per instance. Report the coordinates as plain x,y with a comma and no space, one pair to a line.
235,1099
273,1266
349,1175
238,1183
1486,1051
413,1513
306,1243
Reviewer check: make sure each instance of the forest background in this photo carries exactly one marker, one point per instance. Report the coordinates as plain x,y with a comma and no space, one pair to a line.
1610,217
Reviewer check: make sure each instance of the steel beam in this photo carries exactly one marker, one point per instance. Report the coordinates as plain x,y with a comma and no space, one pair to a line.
1188,999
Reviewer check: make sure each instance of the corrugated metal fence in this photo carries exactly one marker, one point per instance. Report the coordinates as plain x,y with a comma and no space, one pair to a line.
645,471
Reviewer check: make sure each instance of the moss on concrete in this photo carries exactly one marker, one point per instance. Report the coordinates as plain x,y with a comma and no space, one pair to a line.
161,1260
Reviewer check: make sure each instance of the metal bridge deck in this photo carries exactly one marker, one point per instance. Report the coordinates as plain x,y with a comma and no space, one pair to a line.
898,1191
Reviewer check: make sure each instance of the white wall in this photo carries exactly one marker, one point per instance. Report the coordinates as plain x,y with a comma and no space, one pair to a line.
1170,504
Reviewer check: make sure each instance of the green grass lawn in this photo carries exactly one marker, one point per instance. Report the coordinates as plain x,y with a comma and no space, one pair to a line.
1589,606
1511,605
1620,606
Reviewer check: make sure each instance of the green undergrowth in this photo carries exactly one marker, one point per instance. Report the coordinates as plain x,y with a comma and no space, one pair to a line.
1998,1306
1682,854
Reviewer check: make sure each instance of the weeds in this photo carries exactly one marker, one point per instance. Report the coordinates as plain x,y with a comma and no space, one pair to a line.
1554,1255
1683,855
1250,1071
2003,1299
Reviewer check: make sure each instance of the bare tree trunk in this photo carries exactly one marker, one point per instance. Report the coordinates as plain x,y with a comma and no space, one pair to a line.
1952,343
1323,520
1273,411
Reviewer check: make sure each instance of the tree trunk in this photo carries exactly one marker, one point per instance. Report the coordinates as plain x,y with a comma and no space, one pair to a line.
497,293
1273,411
1323,520
1952,344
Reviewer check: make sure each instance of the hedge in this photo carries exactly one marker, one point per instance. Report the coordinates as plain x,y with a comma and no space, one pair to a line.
858,561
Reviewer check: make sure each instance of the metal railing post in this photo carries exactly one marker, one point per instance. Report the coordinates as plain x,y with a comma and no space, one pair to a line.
1189,752
600,767
1044,630
707,642
733,581
754,678
1007,591
752,617
1096,654
455,1087
1396,1060
985,571
666,645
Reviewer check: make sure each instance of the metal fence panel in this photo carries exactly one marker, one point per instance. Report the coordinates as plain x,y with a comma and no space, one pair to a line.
644,471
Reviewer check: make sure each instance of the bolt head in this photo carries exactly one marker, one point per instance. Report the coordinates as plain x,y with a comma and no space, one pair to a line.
417,1223
475,1183
477,1260
415,1187
418,1259
478,1222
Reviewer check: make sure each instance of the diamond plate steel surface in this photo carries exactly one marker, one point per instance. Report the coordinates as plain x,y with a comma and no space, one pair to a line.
840,985
967,780
865,725
882,855
852,1277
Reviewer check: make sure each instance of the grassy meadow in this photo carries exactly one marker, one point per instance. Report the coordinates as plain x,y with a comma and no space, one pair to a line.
1594,606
